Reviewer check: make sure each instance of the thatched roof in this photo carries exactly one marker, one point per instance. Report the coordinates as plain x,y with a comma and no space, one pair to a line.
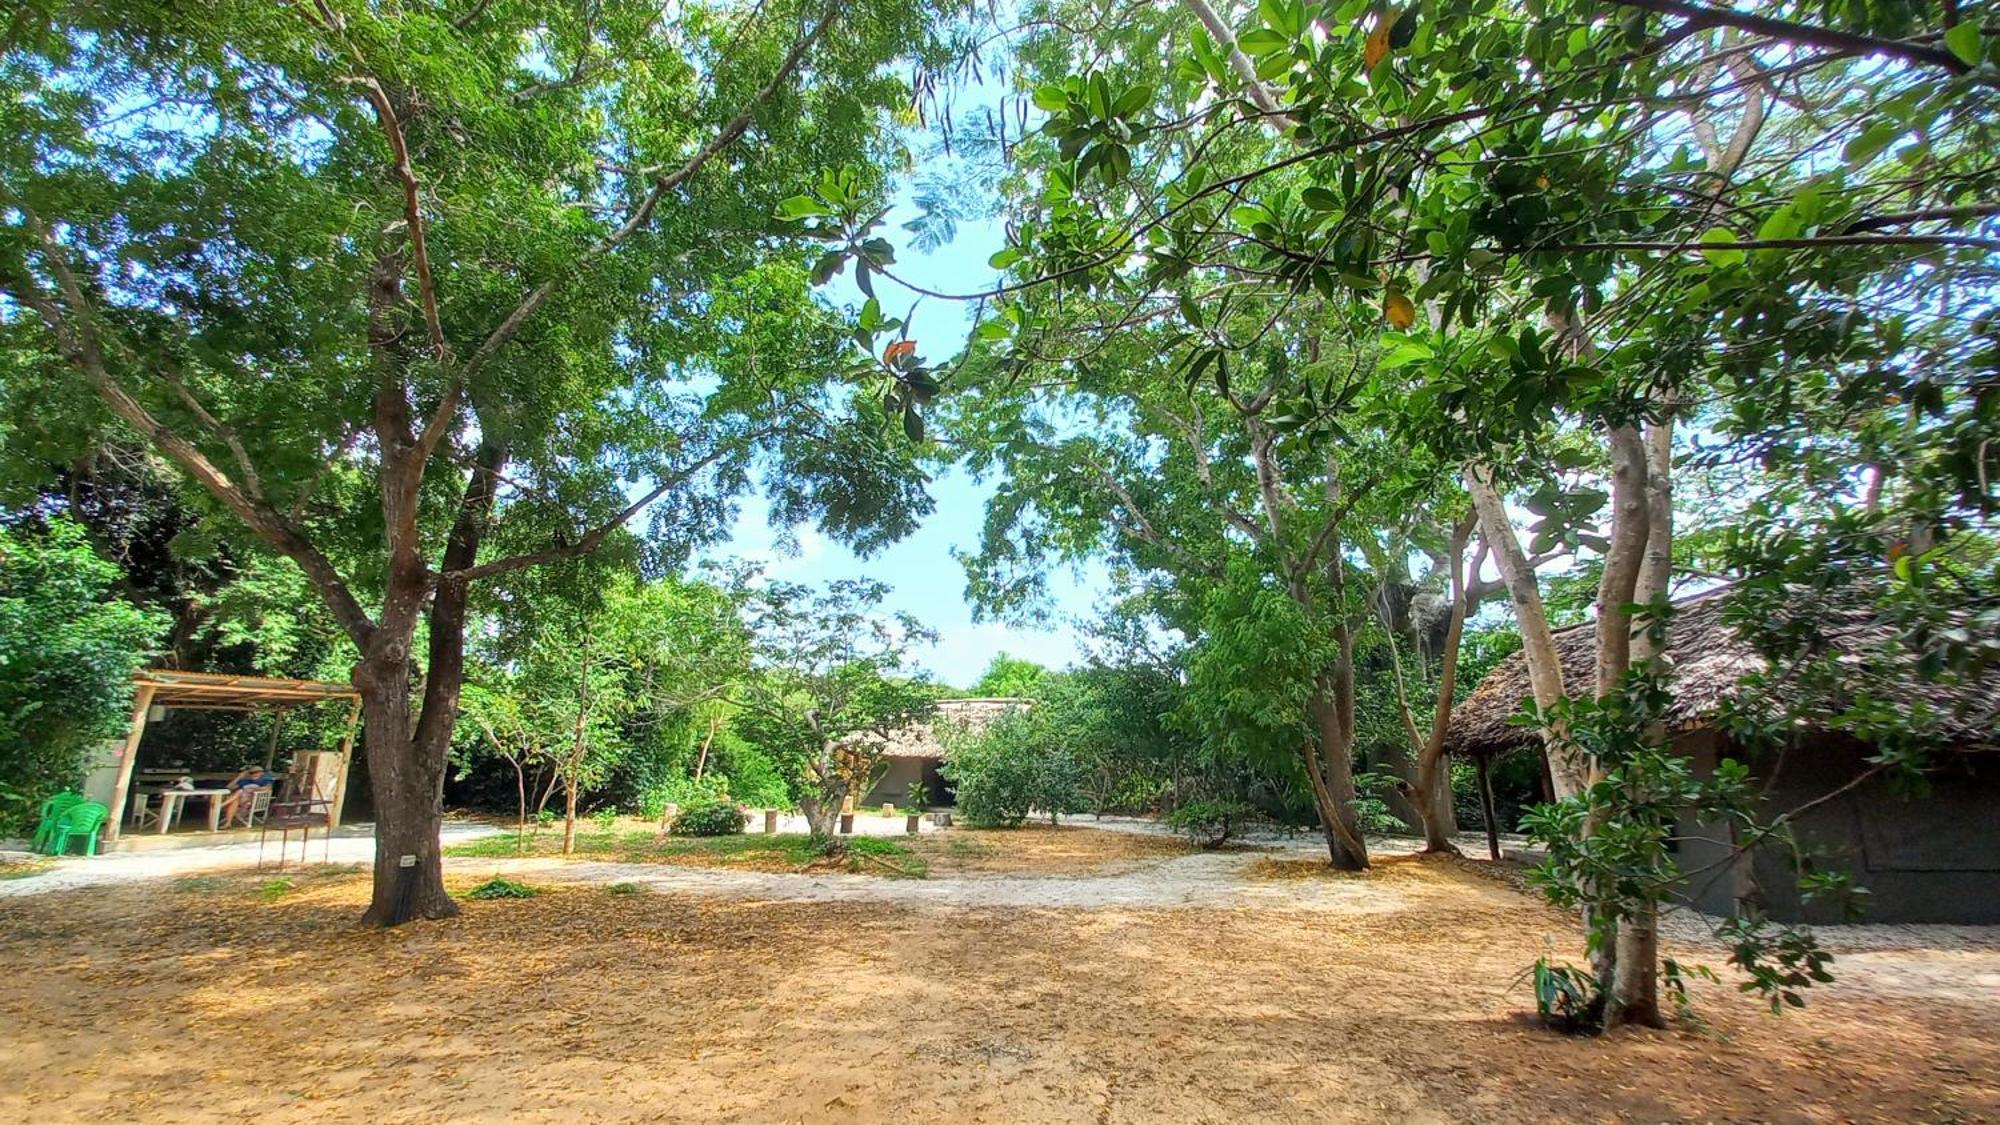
922,740
1708,662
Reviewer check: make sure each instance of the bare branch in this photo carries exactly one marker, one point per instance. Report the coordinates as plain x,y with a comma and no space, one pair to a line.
1807,34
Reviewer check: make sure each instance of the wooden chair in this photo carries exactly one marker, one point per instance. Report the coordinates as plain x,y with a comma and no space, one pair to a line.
296,816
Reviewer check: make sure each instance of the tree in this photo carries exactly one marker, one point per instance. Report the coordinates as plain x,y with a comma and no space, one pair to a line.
1584,218
1011,677
67,654
420,297
830,683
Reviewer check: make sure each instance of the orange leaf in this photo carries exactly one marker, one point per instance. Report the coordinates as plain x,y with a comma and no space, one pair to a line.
898,350
1377,46
1400,311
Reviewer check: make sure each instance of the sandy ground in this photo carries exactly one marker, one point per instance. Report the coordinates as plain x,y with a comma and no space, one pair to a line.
1126,986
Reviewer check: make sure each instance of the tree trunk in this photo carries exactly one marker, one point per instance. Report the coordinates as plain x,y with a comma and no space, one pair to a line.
1538,645
569,816
1330,767
406,779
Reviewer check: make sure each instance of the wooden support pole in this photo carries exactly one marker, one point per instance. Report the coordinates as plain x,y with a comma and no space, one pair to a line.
346,763
271,746
128,756
1485,763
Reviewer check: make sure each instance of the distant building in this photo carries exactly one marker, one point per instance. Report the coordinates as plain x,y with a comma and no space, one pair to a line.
1929,857
914,752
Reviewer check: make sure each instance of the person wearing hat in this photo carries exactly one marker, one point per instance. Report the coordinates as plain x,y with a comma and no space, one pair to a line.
242,789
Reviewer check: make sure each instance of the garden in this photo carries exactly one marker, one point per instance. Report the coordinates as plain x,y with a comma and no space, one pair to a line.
1112,559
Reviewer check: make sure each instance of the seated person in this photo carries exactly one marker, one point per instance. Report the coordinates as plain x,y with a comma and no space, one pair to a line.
242,790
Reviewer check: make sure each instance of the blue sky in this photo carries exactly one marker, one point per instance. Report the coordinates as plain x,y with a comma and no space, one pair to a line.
924,578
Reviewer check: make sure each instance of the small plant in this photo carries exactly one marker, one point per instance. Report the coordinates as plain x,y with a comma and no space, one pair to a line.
198,884
624,889
275,889
1565,996
604,820
501,888
710,818
919,797
1369,807
1209,823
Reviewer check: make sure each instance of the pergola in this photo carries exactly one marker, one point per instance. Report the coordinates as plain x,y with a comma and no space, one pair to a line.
212,691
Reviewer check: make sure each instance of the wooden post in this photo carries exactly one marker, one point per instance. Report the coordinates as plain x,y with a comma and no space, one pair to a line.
1485,763
271,746
346,761
128,756
770,822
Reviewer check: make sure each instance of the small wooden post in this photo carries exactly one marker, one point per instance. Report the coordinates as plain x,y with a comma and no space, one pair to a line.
1486,806
770,822
346,761
847,816
128,756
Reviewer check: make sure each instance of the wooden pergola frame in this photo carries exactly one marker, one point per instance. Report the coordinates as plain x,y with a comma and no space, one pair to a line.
213,691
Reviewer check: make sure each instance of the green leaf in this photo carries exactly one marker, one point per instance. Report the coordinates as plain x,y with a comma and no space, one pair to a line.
1190,311
1052,98
801,207
1720,236
1872,140
1320,199
1963,40
1404,31
1004,257
913,423
1263,41
1403,354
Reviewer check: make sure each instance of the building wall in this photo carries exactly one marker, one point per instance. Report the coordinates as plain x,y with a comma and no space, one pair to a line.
1922,856
894,787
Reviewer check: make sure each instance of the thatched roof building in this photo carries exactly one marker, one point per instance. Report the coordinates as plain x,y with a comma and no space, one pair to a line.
1708,662
926,740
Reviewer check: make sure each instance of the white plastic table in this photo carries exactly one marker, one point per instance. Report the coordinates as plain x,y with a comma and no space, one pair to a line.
172,800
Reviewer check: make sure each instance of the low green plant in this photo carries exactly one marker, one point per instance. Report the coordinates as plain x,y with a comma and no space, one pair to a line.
1209,823
604,820
919,797
1565,996
501,888
274,889
199,884
710,818
1369,807
624,889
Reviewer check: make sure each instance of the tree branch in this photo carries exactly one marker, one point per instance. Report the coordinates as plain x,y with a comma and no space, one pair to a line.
1806,34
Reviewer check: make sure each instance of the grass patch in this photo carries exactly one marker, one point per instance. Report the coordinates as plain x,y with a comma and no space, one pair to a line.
200,884
502,888
624,889
877,855
275,889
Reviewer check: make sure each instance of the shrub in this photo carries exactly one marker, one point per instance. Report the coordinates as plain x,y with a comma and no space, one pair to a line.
624,889
502,888
1011,769
604,819
711,818
1209,823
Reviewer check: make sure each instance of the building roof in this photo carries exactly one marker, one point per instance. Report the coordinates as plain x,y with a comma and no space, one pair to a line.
226,692
1709,660
923,740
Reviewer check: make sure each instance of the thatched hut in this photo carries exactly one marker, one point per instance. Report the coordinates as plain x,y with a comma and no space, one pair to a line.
1923,857
913,753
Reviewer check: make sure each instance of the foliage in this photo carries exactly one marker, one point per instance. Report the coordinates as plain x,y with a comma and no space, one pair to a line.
710,818
67,654
829,683
1011,677
1017,766
498,888
1209,823
1370,810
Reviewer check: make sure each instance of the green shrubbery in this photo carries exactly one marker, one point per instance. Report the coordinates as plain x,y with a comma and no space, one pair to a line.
1209,823
1012,769
710,818
67,653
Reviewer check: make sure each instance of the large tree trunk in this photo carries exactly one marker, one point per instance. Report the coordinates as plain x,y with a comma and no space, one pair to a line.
406,778
1330,767
1567,774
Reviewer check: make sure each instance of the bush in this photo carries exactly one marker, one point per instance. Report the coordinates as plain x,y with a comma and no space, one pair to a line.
1011,769
68,648
502,888
710,818
1209,823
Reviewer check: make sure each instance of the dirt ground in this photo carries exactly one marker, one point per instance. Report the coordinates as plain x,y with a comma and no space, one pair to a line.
230,997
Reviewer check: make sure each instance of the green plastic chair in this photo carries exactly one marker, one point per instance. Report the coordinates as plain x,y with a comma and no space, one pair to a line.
53,810
84,820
